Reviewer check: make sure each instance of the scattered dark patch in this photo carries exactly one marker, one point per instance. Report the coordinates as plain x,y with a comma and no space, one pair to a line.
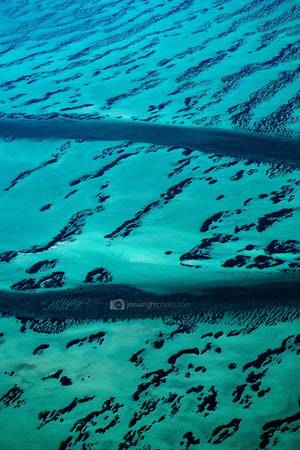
40,348
45,207
99,274
54,280
223,432
42,266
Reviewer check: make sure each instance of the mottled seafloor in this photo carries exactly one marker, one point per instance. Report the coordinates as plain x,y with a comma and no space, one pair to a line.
210,232
219,380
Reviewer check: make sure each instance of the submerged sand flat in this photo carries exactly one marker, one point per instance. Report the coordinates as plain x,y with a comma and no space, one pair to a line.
218,380
159,218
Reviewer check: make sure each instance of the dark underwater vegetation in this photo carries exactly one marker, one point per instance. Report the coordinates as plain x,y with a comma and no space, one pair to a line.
149,232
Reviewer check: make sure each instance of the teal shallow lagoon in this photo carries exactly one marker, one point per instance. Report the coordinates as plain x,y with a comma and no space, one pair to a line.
159,218
218,370
149,153
221,379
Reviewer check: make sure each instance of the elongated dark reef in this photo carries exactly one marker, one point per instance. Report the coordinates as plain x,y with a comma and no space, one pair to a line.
232,143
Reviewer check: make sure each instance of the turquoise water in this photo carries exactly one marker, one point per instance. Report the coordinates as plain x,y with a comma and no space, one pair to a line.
149,232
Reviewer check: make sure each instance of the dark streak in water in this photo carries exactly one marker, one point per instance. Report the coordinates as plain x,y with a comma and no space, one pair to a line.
95,302
255,146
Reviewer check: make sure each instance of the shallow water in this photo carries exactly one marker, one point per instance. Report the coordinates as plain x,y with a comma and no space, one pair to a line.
149,251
